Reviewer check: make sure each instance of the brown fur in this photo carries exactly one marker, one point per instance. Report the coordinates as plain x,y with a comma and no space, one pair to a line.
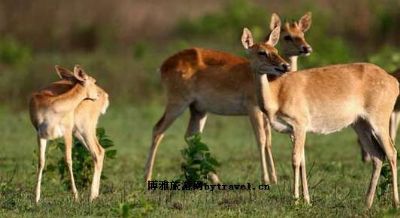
209,81
212,81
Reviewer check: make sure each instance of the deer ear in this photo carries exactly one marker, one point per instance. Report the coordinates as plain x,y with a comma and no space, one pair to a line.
247,38
273,37
275,21
64,73
80,74
305,22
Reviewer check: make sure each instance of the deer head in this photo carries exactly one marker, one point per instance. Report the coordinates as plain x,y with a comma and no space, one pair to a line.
293,40
80,77
264,57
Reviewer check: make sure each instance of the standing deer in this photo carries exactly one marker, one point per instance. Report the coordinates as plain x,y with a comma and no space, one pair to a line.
71,105
325,100
217,82
208,81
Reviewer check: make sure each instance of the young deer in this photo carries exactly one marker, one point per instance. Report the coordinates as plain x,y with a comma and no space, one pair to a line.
325,100
72,104
208,81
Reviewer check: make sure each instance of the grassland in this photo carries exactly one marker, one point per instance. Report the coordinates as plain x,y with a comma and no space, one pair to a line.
337,178
124,58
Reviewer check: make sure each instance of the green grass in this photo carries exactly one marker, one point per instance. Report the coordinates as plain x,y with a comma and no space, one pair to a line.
338,179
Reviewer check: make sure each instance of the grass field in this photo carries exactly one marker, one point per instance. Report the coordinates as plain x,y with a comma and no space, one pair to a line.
337,178
122,45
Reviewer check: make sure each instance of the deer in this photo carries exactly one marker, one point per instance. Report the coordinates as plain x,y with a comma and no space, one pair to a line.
325,100
209,81
69,106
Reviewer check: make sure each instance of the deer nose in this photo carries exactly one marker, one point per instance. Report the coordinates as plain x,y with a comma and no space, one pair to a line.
286,67
307,49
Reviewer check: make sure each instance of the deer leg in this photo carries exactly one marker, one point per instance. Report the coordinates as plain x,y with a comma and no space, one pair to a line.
68,161
377,161
365,156
90,141
299,137
256,118
172,111
98,159
41,162
268,151
364,138
304,183
196,123
370,146
383,137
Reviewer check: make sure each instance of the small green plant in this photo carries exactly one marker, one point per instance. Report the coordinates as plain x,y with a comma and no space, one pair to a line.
198,160
135,206
385,180
82,160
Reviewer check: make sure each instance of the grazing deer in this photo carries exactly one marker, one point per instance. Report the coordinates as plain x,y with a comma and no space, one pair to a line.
208,81
70,105
325,100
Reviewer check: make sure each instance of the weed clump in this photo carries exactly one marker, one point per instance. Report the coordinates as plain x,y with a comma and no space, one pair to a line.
198,160
82,161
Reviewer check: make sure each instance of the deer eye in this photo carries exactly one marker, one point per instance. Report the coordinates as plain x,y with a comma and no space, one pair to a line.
287,38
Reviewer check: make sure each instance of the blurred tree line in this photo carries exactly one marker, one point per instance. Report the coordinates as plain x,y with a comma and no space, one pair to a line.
124,42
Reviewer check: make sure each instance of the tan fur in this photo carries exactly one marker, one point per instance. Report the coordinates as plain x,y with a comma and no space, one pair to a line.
327,99
61,106
217,82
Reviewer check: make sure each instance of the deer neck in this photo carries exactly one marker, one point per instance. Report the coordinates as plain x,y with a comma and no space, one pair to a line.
265,97
292,61
69,100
